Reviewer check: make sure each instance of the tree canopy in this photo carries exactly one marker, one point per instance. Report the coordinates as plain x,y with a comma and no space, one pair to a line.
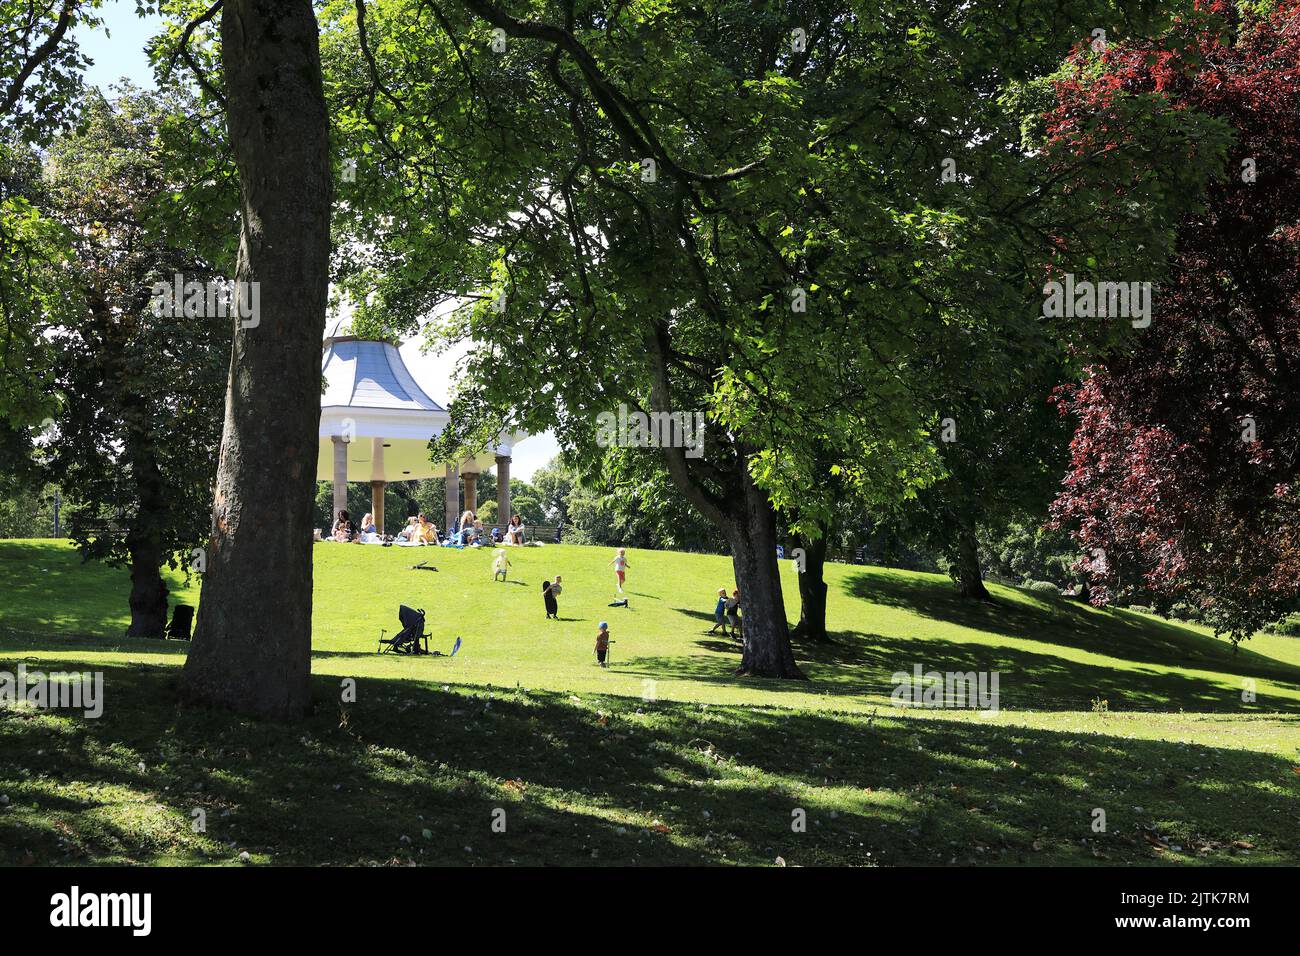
1184,465
808,224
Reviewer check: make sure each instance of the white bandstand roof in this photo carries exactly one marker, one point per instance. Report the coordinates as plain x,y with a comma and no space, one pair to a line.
372,400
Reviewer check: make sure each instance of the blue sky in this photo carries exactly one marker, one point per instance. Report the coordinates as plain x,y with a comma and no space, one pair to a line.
118,47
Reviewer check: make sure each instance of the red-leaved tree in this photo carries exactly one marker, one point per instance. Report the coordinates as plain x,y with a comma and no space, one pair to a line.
1183,482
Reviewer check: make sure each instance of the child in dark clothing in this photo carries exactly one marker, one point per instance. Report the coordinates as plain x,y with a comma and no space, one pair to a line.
733,613
602,643
548,596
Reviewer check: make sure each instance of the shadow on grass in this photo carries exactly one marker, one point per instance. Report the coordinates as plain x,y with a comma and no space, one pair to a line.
1056,620
703,616
46,586
863,665
608,780
15,643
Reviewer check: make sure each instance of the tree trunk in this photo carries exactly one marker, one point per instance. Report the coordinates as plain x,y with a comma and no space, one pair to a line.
752,535
148,596
812,591
144,542
970,581
252,642
144,536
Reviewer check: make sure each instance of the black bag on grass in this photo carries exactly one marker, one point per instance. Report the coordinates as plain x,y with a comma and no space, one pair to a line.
182,618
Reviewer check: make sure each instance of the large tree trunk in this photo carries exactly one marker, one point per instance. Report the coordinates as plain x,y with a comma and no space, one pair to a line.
812,591
144,543
752,535
747,520
144,539
148,594
970,579
252,643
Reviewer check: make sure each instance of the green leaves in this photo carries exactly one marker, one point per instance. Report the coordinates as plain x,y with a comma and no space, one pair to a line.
519,173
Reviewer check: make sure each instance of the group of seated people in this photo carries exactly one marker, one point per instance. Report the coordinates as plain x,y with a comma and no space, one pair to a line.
420,530
472,534
345,529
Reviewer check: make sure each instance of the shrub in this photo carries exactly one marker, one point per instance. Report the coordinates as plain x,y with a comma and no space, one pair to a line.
1287,627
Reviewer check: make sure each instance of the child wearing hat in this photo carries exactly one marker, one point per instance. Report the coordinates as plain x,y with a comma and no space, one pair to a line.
602,643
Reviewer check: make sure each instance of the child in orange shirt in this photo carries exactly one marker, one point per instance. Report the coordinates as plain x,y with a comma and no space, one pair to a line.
602,643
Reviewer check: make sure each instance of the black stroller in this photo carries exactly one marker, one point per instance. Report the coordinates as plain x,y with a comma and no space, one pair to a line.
411,639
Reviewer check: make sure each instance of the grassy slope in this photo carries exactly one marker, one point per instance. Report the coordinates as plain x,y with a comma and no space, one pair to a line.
523,720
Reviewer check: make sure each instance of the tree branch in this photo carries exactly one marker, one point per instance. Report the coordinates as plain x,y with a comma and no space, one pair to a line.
182,51
632,127
39,56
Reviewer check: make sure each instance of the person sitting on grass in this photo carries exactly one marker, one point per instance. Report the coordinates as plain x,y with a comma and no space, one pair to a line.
718,620
515,530
343,529
425,532
500,564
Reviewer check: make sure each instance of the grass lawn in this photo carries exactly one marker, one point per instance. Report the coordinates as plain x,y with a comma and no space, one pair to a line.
665,757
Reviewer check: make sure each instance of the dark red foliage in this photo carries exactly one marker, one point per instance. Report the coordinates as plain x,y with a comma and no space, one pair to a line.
1161,479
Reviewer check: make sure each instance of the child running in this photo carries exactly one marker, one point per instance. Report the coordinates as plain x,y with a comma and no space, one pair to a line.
602,644
500,564
620,567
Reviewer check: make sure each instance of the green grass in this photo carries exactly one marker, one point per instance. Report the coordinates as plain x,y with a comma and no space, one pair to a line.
666,757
